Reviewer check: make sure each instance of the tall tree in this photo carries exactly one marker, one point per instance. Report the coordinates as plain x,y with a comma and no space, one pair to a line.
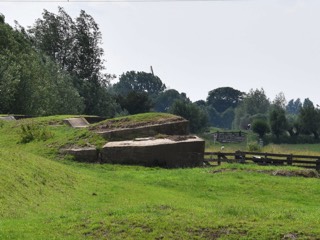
76,46
278,121
198,118
293,106
89,62
30,82
135,102
260,127
223,98
55,35
165,99
309,118
254,103
139,82
280,100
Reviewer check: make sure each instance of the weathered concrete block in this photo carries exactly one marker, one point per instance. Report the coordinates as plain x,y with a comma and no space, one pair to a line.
7,118
88,154
171,128
79,122
169,153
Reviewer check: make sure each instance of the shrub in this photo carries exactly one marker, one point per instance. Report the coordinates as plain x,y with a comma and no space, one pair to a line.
254,147
30,132
260,127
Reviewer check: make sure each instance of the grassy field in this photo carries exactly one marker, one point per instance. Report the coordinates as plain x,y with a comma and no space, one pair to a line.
44,196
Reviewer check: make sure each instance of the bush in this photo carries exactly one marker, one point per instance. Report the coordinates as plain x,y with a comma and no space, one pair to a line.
260,127
30,132
254,147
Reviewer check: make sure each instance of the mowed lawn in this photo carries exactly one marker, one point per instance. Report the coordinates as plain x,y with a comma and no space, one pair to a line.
44,196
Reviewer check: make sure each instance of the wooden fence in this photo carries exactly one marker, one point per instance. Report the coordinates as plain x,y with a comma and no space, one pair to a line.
263,159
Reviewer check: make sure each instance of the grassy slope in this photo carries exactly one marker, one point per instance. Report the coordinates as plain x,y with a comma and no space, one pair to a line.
136,120
42,198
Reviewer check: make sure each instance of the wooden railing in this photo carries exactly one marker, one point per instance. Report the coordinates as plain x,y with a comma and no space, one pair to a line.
263,159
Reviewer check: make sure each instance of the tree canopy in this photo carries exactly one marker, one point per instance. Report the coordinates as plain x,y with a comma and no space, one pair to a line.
139,82
75,45
223,98
30,82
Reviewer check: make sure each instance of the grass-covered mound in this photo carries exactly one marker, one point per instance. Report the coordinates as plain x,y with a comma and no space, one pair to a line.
46,197
137,120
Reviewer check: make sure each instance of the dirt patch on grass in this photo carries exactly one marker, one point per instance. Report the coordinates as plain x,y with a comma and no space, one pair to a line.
307,173
216,233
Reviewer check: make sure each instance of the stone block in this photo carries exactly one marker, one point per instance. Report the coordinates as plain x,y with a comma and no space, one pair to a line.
88,154
78,122
168,153
7,118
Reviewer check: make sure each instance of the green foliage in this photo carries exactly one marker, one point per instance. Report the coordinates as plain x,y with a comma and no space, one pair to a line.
309,119
224,98
164,100
139,82
255,102
254,147
135,102
75,45
34,132
293,106
2,18
30,83
278,121
260,127
198,118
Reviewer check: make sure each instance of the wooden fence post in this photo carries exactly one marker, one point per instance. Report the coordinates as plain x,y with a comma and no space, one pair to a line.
289,160
238,156
219,158
318,165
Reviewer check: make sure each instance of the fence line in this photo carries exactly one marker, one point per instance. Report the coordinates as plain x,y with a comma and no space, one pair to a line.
304,161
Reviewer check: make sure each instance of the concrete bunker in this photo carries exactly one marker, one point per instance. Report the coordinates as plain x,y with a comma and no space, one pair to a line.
171,152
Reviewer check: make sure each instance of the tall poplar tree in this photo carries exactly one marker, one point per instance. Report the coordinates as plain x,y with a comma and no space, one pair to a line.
76,46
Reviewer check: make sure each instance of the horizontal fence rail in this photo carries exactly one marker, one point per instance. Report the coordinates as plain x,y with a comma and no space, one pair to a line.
304,161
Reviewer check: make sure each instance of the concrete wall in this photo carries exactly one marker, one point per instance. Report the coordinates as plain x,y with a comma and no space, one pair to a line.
159,152
88,154
172,128
229,137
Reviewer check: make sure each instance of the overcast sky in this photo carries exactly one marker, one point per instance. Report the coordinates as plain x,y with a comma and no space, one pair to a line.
198,46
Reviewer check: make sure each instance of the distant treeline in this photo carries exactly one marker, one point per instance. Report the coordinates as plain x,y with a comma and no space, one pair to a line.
56,66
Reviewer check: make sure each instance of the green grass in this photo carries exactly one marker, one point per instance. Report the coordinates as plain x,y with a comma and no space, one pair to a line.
46,197
136,120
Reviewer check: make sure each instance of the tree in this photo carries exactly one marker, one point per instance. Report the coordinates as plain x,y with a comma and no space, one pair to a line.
307,103
223,98
293,106
76,46
278,121
260,127
2,18
309,118
198,118
30,82
139,82
56,36
255,102
165,99
135,102
280,101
